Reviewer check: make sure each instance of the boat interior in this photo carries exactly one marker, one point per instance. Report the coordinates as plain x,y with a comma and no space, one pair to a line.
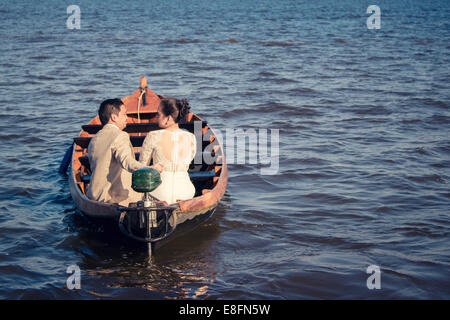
204,175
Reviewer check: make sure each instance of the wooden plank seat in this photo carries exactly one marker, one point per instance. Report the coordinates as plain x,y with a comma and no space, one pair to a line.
143,115
202,175
84,160
136,141
83,142
140,127
195,176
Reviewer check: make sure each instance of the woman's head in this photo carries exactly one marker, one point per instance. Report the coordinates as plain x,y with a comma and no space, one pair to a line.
172,111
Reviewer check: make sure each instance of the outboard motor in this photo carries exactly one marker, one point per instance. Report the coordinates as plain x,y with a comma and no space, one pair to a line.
149,217
145,180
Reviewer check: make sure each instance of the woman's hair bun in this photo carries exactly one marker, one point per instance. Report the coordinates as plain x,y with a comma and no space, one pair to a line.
178,109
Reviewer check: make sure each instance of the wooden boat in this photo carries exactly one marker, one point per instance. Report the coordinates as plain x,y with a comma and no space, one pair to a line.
209,176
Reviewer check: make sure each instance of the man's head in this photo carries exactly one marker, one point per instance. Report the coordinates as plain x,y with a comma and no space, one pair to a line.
113,111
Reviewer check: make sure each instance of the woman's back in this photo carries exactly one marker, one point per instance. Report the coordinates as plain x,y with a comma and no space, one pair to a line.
174,149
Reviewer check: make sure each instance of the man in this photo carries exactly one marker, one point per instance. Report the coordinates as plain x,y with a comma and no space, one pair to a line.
111,157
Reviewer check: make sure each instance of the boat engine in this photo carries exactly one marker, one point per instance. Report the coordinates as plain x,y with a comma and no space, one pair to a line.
147,220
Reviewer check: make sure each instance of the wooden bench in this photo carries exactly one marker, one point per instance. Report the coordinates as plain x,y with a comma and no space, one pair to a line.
136,141
194,176
143,115
83,142
84,160
140,127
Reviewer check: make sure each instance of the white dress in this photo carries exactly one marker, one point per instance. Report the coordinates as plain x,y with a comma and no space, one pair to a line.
175,150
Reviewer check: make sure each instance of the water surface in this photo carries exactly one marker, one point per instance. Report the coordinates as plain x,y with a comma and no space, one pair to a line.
364,146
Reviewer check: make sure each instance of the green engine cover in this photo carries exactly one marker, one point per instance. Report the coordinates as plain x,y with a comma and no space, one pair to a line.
145,180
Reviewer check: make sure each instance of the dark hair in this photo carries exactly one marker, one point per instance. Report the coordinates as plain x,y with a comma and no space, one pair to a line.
107,108
178,109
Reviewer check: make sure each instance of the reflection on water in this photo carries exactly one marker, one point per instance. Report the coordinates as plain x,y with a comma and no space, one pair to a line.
183,268
179,281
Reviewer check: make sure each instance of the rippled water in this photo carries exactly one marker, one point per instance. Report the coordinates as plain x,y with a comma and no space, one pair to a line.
364,146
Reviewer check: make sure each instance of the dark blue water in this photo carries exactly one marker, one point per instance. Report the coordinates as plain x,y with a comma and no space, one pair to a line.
364,146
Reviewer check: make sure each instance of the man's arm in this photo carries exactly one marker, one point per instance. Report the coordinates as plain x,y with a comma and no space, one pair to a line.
122,152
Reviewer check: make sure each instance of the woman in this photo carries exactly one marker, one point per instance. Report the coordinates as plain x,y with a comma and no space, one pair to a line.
172,147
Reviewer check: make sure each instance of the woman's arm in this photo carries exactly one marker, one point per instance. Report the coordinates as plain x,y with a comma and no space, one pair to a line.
146,150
